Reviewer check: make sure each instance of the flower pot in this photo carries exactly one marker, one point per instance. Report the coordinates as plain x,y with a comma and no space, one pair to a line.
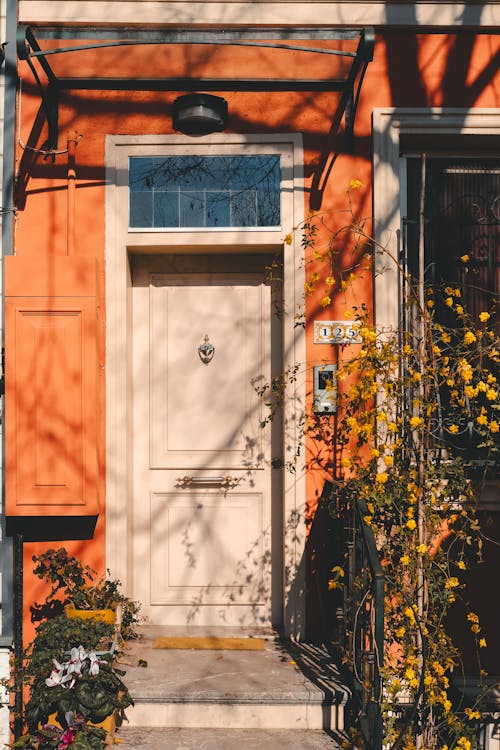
103,615
108,724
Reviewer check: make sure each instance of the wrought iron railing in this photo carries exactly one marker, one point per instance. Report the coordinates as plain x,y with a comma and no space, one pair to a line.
361,631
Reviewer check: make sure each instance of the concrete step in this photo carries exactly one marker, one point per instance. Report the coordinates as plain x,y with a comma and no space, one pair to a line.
147,738
285,686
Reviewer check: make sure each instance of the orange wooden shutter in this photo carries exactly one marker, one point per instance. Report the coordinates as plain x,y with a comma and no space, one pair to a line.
51,397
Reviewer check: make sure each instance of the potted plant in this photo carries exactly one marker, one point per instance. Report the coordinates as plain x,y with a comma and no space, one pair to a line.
76,590
77,704
83,684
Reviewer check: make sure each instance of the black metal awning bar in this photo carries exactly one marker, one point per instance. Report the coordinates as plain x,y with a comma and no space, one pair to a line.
188,35
220,43
195,84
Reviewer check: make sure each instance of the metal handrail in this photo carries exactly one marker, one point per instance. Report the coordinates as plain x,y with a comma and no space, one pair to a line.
363,621
378,586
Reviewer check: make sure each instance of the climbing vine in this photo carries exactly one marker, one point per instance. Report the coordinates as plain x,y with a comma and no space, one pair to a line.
415,435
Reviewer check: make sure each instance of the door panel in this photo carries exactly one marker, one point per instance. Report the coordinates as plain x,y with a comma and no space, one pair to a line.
205,415
202,476
207,545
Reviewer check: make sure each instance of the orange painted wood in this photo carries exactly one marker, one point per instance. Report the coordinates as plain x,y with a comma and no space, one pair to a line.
51,405
52,276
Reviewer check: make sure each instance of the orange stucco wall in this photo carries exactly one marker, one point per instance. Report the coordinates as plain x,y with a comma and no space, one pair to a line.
408,70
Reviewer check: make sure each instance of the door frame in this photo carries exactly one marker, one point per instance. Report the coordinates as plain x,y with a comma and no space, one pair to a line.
120,243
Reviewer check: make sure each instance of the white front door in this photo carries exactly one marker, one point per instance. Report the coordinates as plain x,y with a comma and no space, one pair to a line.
202,459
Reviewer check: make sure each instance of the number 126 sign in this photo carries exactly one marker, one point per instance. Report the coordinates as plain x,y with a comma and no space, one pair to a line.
336,332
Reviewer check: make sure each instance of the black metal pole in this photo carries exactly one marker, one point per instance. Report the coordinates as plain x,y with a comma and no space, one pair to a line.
18,635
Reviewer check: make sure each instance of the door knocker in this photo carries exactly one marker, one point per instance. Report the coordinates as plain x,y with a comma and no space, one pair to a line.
206,351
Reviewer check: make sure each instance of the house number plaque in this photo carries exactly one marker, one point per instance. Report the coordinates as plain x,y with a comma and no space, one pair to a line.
336,332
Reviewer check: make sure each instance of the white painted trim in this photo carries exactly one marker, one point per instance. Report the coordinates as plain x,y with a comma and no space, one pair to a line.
346,13
388,126
118,242
5,657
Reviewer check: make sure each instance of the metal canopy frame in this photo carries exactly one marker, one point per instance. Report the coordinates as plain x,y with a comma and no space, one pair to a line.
29,50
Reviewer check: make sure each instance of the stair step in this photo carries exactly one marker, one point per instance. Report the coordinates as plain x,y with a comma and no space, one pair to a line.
147,738
286,686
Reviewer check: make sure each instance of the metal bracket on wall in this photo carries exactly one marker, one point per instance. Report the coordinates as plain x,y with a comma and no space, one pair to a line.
282,38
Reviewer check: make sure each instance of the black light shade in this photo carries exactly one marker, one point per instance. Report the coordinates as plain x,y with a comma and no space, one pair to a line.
199,114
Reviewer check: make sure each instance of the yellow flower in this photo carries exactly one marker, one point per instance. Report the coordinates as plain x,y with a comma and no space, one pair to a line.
469,337
416,377
472,617
482,418
289,239
465,370
494,426
400,631
375,453
482,643
464,744
449,301
404,560
465,258
438,668
430,303
409,612
367,520
382,477
355,184
330,281
416,422
471,714
452,583
422,549
345,463
325,301
491,394
388,460
368,334
410,673
484,316
407,349
461,565
411,524
459,309
453,428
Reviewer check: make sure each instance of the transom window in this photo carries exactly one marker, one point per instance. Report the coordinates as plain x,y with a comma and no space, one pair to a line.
190,192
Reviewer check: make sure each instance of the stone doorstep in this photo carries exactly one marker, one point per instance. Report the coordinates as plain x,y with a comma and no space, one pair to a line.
217,715
144,738
285,686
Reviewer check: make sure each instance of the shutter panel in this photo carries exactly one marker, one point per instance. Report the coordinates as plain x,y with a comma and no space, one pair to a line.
51,368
